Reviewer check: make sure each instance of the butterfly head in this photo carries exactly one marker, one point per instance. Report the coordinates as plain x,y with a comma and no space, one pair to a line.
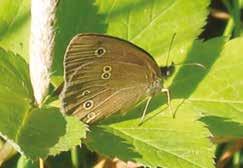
168,70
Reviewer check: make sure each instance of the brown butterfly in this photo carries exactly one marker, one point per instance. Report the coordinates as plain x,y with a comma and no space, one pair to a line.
104,75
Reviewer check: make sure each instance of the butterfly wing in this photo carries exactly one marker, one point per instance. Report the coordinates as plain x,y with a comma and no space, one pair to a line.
104,75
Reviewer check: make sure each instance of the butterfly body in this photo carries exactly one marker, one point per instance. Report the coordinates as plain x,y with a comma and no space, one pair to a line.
104,75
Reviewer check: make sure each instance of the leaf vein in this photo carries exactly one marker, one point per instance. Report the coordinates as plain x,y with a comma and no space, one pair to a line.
152,22
158,148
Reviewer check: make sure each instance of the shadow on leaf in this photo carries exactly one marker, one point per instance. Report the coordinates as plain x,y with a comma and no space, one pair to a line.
44,128
136,112
72,18
189,77
98,140
223,127
16,23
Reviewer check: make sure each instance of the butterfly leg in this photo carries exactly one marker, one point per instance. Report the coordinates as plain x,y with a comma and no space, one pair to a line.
145,109
167,92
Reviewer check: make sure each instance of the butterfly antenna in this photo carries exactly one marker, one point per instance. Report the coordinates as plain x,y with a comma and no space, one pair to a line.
193,64
171,42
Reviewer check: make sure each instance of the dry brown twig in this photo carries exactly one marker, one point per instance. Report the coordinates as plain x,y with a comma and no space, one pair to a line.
229,152
219,14
115,163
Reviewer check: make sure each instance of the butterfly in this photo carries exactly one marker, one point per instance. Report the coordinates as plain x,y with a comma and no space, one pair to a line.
104,75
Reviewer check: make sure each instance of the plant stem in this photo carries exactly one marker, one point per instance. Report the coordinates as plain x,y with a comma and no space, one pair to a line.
229,28
74,157
6,152
230,24
236,160
41,163
233,25
236,17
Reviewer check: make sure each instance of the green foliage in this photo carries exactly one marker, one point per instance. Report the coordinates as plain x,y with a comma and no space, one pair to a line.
14,80
26,126
149,24
14,93
219,95
208,102
15,26
23,162
160,140
75,130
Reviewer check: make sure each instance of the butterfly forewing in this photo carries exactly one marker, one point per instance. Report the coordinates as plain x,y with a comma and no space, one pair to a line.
104,75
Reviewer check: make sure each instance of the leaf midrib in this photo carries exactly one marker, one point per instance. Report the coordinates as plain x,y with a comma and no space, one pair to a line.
215,100
24,120
152,21
14,18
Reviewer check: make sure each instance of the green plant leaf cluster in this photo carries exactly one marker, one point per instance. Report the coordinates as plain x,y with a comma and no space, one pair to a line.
218,97
34,132
208,102
160,140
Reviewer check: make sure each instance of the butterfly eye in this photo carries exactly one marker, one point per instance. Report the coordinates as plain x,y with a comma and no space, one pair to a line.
100,51
107,68
88,104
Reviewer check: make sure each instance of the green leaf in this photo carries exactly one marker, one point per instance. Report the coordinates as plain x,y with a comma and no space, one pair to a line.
217,93
75,130
14,80
149,24
24,162
40,130
74,16
26,127
159,141
14,26
8,11
29,130
15,92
